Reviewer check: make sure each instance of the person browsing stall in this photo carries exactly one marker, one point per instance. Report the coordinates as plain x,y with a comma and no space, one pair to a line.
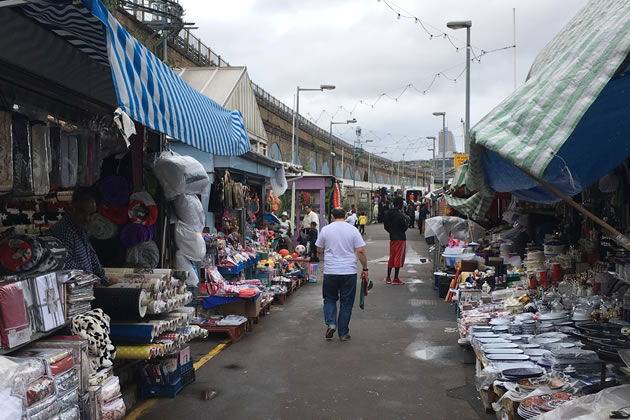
309,217
71,231
341,244
396,224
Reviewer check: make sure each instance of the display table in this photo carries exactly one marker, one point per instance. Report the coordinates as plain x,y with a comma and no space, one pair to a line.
235,332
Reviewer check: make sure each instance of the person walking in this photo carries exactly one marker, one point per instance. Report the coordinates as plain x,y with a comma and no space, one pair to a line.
375,213
309,218
396,223
352,218
424,211
341,244
362,222
411,211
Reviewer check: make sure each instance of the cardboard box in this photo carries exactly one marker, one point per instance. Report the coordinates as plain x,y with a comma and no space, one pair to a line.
244,307
14,322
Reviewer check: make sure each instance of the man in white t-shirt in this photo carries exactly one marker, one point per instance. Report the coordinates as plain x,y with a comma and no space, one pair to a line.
352,218
341,244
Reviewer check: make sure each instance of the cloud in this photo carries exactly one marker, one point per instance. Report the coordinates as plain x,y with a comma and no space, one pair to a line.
362,48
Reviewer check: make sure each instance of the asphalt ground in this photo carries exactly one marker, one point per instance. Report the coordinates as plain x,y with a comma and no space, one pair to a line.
403,361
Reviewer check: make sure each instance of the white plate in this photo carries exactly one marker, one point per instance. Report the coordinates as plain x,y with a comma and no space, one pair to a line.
507,357
552,315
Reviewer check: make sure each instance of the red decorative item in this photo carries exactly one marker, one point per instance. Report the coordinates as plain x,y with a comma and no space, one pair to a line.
336,197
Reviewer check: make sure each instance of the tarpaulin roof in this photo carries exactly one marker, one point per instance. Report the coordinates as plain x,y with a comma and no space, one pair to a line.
146,89
568,123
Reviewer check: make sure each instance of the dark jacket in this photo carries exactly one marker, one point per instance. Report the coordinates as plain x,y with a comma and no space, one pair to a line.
396,223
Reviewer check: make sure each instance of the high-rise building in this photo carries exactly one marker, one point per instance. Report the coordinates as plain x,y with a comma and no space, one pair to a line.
450,143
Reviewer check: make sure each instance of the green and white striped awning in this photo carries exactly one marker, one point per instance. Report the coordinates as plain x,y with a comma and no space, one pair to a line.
459,178
475,207
530,126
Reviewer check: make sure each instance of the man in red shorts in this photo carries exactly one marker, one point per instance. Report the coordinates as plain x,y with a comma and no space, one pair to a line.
396,223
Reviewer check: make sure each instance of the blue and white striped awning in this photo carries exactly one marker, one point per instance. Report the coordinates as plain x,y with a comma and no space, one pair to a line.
147,89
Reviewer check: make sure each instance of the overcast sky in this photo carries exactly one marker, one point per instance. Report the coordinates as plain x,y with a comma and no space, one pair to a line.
365,50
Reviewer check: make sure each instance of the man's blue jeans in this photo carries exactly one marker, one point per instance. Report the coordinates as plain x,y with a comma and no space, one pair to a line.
342,287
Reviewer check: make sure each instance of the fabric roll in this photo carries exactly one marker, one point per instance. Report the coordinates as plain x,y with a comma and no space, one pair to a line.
40,142
22,159
55,156
70,156
152,286
102,228
117,214
142,209
145,352
120,304
139,333
133,234
21,253
145,255
115,190
6,153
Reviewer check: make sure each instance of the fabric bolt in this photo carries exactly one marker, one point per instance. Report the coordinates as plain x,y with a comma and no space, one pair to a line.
145,255
141,333
142,209
22,163
40,142
117,214
20,253
94,327
189,210
80,253
144,352
56,158
6,153
102,228
397,252
133,234
69,156
340,241
114,190
343,288
120,303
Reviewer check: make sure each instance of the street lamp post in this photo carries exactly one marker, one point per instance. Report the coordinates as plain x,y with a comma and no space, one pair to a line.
296,146
433,159
461,25
443,115
332,168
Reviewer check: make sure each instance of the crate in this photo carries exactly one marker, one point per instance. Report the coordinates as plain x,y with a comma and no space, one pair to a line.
158,391
231,270
188,377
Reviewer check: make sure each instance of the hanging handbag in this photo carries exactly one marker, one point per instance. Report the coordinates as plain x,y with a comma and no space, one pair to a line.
229,190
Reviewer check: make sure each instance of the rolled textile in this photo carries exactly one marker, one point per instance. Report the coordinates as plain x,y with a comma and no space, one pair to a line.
40,142
121,304
167,336
6,153
189,242
138,281
22,160
142,209
117,214
133,234
146,255
114,190
139,333
70,156
189,210
102,228
20,253
55,156
145,352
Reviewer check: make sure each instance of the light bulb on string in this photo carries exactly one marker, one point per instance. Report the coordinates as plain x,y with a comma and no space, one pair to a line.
398,16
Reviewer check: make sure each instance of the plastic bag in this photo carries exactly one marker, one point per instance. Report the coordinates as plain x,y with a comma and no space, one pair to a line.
114,410
180,175
183,263
189,242
189,210
11,405
69,399
110,389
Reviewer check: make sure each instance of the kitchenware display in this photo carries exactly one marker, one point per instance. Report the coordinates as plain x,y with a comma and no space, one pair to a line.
503,351
522,373
483,340
507,357
500,321
500,346
529,346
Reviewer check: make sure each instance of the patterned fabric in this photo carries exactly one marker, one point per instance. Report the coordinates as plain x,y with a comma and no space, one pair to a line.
81,254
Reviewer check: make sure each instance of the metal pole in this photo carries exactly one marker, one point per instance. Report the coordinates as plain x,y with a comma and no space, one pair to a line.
370,171
514,38
342,150
467,133
433,162
443,150
297,126
332,171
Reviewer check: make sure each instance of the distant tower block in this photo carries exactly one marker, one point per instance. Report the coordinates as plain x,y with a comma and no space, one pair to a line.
450,142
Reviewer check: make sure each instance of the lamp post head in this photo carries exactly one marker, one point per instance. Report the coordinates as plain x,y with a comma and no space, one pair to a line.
431,138
439,114
459,24
352,121
368,141
326,87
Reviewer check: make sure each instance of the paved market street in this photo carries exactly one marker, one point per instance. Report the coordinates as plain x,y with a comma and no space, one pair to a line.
403,361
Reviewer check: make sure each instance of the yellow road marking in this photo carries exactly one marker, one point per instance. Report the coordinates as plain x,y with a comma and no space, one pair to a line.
145,405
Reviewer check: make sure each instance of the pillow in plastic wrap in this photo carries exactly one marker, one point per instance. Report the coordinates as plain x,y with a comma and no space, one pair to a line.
71,413
189,210
69,399
180,175
11,405
189,242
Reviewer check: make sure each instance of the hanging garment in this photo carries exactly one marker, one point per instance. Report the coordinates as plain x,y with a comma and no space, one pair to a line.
6,153
237,190
82,155
55,156
69,156
40,142
228,190
22,163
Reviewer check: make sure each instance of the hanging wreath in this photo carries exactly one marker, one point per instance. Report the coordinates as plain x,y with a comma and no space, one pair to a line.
336,196
305,198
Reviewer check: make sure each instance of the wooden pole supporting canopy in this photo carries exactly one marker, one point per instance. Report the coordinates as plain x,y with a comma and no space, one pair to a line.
619,237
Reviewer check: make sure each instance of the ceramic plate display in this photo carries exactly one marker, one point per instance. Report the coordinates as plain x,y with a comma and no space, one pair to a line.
522,373
552,315
544,341
484,334
500,321
503,351
516,338
535,352
507,357
481,328
525,346
491,340
500,346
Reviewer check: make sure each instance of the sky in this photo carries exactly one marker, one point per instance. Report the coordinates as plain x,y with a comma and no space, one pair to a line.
365,50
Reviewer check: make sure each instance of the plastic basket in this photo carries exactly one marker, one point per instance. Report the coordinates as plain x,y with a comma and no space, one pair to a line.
158,391
231,270
188,377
